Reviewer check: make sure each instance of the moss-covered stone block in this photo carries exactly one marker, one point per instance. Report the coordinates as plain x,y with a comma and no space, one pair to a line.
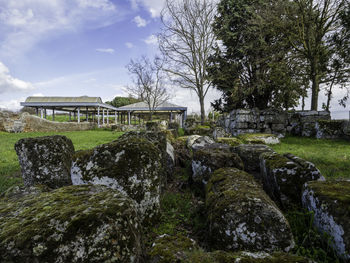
284,176
45,160
330,202
208,159
195,142
131,165
163,140
241,216
202,130
259,138
201,256
169,249
70,224
249,154
233,141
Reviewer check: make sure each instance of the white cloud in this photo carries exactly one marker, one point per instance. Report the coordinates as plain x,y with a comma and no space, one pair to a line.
154,7
151,40
140,22
10,84
129,45
25,23
105,50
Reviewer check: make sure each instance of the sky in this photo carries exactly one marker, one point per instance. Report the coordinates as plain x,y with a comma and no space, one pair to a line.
81,47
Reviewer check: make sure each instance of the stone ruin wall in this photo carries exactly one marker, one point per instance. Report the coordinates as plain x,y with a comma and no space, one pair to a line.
24,122
302,123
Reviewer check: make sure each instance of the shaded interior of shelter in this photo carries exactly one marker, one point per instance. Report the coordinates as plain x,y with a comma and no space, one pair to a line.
93,109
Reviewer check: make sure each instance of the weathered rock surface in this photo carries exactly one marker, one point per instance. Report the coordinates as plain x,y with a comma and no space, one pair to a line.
219,132
168,249
241,216
249,154
259,138
45,160
131,165
182,249
207,160
162,140
284,177
70,224
330,202
233,141
195,142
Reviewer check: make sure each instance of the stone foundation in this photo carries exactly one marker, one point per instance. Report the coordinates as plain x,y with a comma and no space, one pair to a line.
302,123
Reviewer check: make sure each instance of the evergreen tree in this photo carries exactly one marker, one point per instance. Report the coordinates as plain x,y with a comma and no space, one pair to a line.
252,64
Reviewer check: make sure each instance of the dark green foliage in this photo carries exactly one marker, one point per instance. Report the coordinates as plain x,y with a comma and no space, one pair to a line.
308,241
122,101
251,67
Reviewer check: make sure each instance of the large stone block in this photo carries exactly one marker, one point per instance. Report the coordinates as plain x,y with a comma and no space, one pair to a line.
249,154
45,160
132,165
284,176
70,224
207,160
242,217
330,203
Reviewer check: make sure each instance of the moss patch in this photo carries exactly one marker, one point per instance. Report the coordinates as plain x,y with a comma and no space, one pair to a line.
70,224
233,141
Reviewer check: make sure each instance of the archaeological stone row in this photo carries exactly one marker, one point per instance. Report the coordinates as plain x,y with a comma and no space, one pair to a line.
94,205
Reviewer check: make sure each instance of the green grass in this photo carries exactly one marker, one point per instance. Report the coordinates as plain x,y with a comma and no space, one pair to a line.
9,166
331,157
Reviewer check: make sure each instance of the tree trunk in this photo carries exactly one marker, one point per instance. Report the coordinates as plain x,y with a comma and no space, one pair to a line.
315,84
201,101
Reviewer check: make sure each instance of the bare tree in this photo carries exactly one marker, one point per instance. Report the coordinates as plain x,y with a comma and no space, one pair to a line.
149,82
186,41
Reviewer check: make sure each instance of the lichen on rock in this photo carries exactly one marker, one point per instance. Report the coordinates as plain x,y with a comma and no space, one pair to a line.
45,160
284,176
330,203
242,217
132,165
70,224
259,138
168,249
232,141
208,159
249,154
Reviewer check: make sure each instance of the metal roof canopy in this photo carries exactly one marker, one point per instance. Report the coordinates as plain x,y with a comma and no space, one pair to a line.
67,103
143,106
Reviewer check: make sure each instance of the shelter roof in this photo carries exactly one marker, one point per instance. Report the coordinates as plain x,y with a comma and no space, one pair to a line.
143,106
67,103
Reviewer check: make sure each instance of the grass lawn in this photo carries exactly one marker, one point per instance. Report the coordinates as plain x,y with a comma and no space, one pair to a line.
9,166
331,157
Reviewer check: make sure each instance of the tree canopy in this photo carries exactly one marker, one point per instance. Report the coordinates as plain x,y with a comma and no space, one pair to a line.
271,52
122,101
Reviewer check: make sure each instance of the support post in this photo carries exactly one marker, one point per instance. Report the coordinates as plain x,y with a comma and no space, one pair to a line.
129,115
98,117
37,111
171,117
115,117
70,116
42,113
78,114
87,114
107,116
103,116
53,114
45,113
